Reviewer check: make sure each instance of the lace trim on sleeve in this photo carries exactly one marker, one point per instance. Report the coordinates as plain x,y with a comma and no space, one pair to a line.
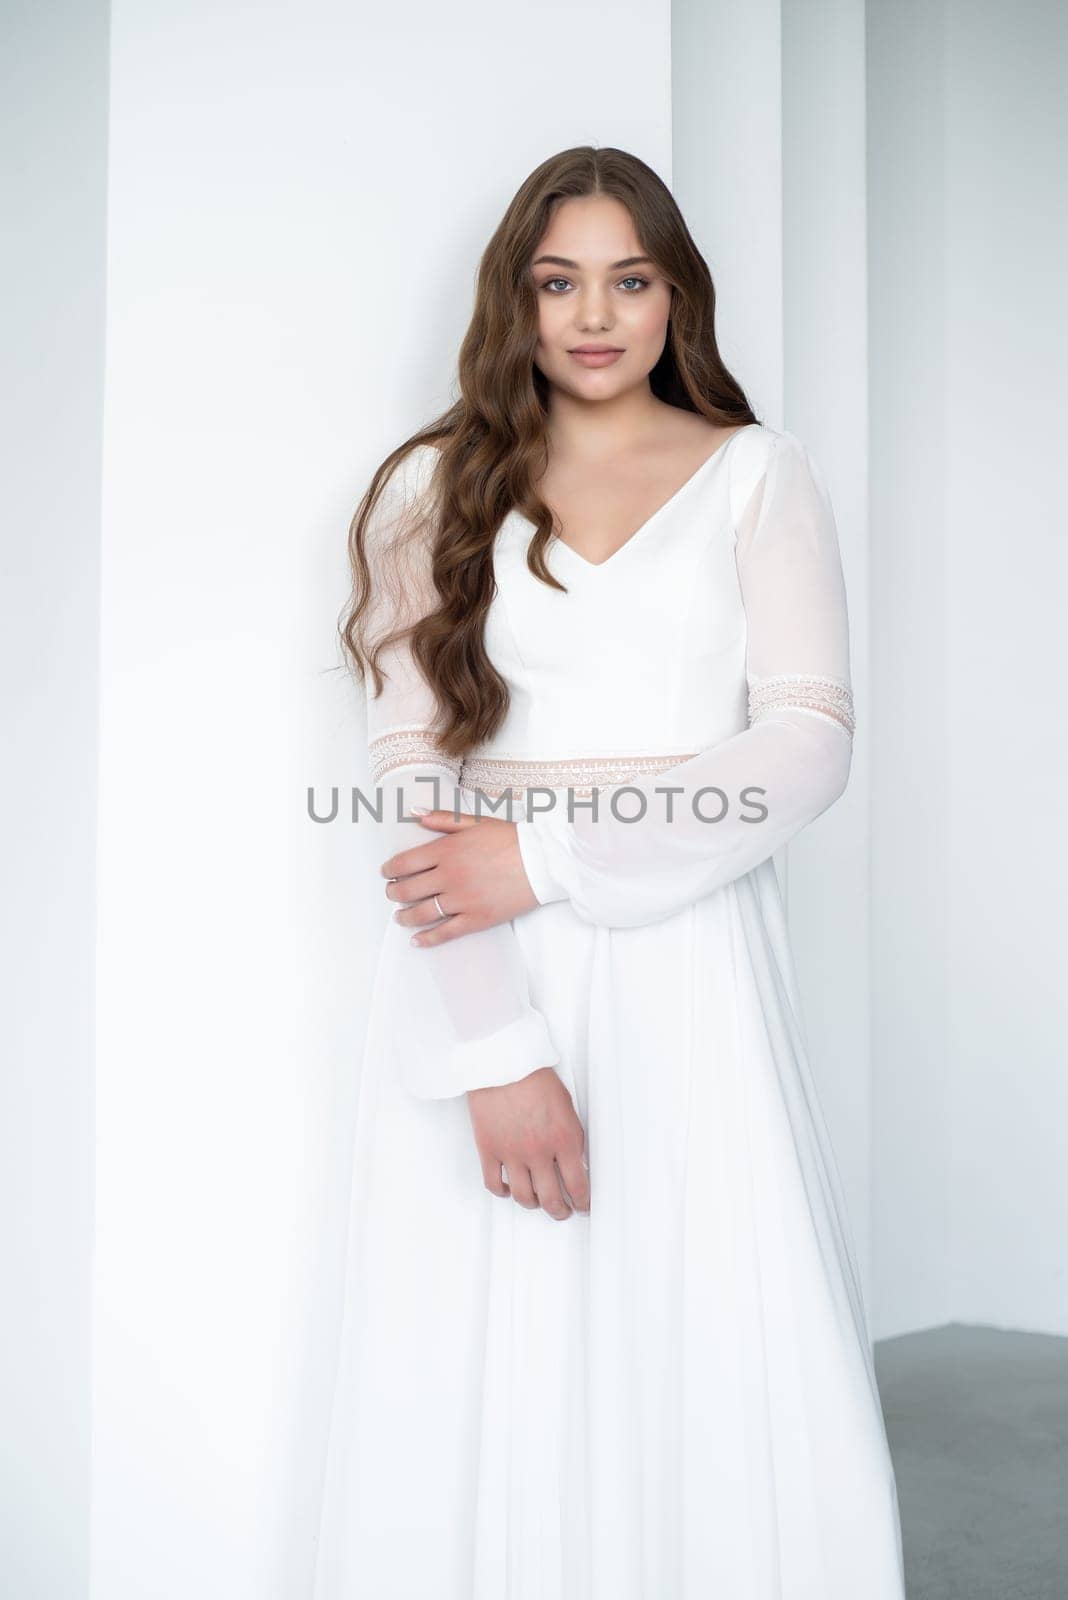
408,747
497,775
826,697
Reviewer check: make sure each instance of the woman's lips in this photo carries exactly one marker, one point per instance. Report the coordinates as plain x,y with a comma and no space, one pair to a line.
595,358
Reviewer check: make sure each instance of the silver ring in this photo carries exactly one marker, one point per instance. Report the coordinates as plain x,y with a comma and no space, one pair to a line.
437,902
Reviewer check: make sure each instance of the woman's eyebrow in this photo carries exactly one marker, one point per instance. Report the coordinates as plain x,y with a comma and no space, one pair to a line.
562,261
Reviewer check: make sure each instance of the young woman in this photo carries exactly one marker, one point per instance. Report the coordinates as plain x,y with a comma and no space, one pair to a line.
600,590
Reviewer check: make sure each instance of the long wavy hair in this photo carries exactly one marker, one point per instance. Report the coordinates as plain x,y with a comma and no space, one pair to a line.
493,442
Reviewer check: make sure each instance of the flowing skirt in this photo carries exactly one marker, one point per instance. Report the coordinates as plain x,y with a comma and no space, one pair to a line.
671,1398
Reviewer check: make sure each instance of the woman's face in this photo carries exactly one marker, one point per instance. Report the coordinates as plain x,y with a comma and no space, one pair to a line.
596,287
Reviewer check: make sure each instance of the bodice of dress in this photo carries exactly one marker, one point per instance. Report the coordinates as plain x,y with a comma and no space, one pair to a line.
641,662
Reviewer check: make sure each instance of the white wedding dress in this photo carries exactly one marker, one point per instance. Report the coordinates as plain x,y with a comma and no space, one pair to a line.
673,1397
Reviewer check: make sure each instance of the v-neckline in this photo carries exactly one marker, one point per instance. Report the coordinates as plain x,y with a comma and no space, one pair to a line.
599,566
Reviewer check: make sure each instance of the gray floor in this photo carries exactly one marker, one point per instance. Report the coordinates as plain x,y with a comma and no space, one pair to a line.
978,1426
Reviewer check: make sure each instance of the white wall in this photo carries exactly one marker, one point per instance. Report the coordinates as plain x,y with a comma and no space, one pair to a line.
297,200
1007,566
969,570
53,133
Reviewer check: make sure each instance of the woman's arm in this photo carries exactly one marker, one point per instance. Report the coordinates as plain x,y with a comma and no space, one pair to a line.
463,1018
773,777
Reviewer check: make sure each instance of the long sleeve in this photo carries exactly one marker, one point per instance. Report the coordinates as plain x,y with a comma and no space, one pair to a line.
462,1012
735,803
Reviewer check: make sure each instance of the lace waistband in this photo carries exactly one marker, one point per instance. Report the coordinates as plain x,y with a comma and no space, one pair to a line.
828,698
496,775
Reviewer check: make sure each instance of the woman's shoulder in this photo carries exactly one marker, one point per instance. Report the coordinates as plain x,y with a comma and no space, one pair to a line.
752,454
759,441
750,451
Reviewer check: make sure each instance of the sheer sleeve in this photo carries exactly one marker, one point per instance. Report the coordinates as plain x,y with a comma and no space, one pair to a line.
462,1017
734,804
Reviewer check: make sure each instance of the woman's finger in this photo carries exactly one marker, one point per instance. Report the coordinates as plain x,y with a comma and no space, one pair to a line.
522,1187
551,1197
575,1176
424,912
417,886
453,927
493,1177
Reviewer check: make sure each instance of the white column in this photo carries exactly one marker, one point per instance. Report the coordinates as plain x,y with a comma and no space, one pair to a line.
826,368
298,199
1006,564
911,723
53,109
769,171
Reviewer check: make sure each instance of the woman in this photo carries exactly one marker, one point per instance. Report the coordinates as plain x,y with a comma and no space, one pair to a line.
598,1024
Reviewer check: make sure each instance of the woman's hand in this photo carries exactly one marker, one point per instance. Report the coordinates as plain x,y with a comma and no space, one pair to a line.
474,867
532,1129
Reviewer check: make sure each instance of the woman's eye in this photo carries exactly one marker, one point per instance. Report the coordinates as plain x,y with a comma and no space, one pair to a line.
643,283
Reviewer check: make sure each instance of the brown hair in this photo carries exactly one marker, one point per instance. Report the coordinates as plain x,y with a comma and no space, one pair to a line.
493,444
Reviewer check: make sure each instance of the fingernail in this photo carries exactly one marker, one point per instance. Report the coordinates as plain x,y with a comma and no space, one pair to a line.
415,939
420,811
